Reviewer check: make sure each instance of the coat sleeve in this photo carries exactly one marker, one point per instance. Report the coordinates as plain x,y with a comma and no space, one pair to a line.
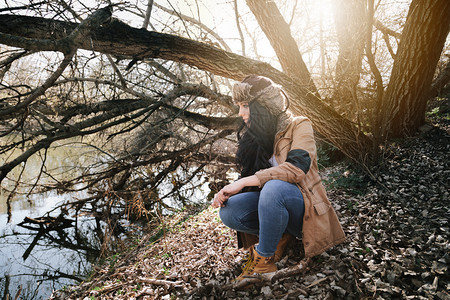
298,161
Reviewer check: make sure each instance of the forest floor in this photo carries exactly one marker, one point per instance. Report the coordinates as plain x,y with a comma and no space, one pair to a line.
397,247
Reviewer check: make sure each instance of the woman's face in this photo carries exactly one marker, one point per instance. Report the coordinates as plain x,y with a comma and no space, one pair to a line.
244,112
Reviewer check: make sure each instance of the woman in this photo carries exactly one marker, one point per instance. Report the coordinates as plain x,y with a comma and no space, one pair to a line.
279,195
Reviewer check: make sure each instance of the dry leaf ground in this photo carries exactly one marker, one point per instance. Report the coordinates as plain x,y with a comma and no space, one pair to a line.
397,246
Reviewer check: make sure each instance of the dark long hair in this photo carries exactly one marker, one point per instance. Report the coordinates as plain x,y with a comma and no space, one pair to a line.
255,146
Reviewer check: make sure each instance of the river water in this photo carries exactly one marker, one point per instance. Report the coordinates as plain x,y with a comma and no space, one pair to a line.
59,257
49,266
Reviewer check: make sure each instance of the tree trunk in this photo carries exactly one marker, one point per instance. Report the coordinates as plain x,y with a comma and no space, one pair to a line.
350,30
126,42
277,31
404,103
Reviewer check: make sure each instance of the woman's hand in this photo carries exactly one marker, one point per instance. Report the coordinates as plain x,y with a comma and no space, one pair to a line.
219,199
233,188
226,192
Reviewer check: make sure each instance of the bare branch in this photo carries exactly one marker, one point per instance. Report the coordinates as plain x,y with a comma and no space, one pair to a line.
68,8
164,71
196,22
385,30
208,122
10,59
93,179
166,283
40,90
113,64
388,45
74,38
22,7
236,14
371,60
148,14
293,13
386,33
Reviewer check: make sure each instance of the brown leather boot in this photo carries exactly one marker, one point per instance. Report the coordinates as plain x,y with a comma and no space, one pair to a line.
281,247
258,265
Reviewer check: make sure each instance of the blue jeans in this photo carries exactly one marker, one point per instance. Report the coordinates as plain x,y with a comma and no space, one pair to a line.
277,208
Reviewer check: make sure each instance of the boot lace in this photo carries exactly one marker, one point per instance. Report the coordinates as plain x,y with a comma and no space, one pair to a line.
247,264
253,264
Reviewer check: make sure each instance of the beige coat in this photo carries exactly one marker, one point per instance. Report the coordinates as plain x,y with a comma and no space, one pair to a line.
321,227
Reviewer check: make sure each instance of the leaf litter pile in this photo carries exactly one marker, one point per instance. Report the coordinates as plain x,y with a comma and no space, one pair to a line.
397,247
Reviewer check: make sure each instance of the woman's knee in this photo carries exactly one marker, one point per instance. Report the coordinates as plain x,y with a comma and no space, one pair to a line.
230,213
226,215
272,190
241,212
278,191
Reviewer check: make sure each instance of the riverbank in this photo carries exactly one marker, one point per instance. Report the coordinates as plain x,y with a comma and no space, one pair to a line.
397,241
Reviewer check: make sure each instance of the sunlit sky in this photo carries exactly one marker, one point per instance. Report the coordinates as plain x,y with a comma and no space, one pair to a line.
220,16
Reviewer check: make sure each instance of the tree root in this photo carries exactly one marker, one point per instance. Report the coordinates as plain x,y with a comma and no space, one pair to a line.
166,283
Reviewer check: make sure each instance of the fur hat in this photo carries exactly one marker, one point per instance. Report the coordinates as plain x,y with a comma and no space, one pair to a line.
267,93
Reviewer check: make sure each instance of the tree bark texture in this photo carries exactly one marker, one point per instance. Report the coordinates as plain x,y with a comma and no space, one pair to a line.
123,41
404,103
279,34
349,20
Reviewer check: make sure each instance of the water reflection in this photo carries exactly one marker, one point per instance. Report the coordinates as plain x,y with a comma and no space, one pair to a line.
37,259
59,257
39,253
